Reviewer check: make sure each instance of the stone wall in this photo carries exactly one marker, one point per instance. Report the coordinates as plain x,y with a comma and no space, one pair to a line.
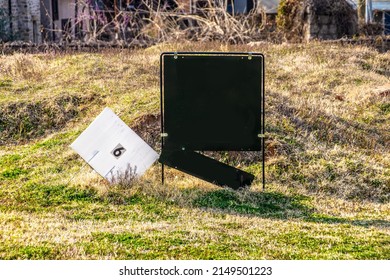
329,26
24,23
4,21
322,27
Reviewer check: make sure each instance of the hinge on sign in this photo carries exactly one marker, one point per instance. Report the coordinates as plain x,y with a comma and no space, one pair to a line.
261,135
250,56
175,55
164,134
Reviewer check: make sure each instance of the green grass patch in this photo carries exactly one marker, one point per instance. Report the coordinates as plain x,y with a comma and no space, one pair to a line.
174,244
385,108
7,160
5,83
29,252
12,173
37,197
136,208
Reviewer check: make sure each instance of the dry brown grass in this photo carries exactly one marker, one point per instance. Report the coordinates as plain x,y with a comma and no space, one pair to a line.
23,66
213,23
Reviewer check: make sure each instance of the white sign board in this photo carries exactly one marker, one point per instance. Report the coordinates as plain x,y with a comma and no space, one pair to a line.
109,146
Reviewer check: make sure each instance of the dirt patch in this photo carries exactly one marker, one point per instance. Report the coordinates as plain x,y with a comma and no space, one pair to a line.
148,127
385,93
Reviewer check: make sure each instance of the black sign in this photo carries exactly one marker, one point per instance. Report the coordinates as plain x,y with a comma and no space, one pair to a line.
211,102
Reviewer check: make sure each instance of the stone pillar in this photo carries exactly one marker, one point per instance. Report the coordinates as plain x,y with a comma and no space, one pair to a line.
26,20
35,23
324,25
14,18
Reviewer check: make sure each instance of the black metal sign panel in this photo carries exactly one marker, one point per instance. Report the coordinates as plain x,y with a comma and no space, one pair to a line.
207,169
212,102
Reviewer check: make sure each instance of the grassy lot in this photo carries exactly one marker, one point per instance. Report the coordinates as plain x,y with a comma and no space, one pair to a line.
328,161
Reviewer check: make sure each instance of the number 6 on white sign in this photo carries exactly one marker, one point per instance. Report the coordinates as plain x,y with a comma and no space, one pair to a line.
96,145
118,151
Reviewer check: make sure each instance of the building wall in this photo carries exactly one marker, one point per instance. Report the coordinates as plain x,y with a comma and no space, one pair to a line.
46,22
269,6
25,19
66,12
53,24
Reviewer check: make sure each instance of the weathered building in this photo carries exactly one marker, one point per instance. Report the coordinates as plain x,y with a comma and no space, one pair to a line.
59,18
55,20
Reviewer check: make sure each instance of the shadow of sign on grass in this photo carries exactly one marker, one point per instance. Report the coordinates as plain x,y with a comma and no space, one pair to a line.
274,205
266,204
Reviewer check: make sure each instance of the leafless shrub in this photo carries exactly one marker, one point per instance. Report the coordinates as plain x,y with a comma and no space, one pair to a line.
214,23
23,66
147,25
125,179
371,29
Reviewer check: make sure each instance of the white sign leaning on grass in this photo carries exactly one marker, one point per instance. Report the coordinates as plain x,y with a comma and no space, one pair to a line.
111,148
